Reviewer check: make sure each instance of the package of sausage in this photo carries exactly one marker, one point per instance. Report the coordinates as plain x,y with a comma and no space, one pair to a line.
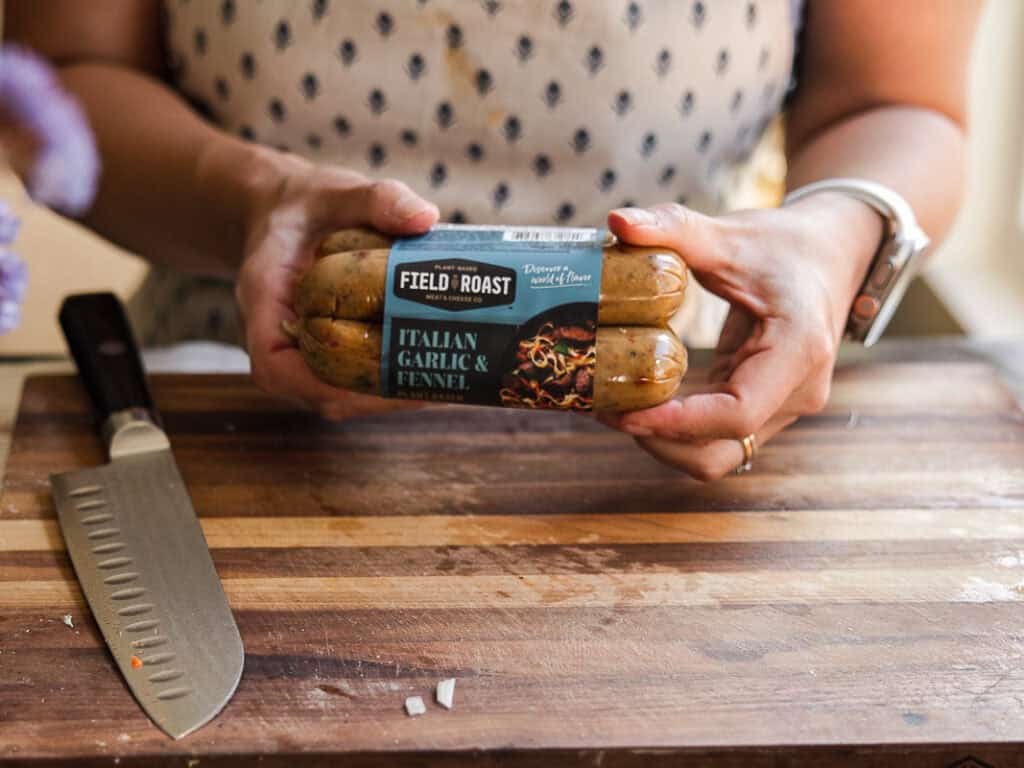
528,317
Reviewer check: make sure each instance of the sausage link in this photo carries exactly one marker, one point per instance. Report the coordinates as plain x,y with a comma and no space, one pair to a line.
345,286
353,239
637,367
639,285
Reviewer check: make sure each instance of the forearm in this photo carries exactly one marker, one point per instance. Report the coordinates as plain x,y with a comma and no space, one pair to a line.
174,188
916,152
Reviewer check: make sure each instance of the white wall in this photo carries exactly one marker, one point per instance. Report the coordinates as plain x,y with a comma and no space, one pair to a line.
979,270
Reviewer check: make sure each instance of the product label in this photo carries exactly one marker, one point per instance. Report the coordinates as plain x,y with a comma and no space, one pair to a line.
493,316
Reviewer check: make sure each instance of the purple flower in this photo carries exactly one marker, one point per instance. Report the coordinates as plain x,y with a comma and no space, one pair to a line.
66,167
13,282
13,276
63,172
9,224
10,315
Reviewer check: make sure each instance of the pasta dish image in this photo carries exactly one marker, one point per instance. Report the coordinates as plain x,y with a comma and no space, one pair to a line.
554,369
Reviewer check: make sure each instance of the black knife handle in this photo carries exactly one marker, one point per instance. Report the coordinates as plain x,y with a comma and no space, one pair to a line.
101,342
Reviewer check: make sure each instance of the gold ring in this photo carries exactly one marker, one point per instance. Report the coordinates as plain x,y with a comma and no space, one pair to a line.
749,444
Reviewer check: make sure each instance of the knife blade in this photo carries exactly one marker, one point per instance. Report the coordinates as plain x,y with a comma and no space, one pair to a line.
134,540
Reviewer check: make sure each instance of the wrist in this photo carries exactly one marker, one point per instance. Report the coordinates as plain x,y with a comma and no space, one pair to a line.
244,179
854,231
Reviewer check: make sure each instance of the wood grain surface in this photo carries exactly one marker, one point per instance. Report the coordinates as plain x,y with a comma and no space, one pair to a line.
858,599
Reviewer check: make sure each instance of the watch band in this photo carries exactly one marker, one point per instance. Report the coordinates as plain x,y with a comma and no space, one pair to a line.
893,265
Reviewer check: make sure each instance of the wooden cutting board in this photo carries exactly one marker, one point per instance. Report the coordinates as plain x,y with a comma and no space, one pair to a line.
857,599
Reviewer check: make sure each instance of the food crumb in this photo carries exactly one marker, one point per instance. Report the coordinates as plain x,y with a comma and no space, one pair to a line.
414,706
136,662
446,693
68,621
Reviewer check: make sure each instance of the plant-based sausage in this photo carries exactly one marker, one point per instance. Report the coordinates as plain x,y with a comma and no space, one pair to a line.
639,285
636,367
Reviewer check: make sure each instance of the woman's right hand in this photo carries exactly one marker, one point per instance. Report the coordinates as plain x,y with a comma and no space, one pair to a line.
286,221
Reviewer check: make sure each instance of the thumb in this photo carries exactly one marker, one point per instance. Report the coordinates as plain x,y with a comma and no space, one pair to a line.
387,205
707,244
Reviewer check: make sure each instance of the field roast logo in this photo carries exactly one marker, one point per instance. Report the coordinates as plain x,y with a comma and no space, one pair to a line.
455,284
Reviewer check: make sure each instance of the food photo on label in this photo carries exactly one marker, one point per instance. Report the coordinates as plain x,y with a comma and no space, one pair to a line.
554,369
524,317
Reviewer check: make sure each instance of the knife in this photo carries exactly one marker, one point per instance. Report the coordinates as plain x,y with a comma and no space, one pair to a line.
135,542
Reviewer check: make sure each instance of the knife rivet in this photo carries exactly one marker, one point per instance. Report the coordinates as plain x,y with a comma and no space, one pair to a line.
111,348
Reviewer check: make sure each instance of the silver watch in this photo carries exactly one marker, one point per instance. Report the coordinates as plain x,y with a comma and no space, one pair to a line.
895,264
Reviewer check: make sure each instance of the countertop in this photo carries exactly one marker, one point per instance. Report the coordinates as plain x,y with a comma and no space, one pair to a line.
857,599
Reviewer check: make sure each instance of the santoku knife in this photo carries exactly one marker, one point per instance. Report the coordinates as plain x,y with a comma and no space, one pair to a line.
136,545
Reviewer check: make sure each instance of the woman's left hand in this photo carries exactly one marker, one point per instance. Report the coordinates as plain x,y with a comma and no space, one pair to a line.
790,275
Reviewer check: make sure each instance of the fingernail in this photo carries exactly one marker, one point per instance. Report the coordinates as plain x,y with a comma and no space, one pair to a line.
408,205
638,431
290,328
638,217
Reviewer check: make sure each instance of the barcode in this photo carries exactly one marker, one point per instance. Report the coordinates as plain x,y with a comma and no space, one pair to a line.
553,235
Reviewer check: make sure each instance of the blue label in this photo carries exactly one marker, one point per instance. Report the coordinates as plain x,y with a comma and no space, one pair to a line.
493,316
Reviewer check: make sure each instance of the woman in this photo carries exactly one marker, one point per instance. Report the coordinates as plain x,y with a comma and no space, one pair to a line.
325,114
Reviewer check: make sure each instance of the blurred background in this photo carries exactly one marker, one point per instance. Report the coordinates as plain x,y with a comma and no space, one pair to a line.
974,283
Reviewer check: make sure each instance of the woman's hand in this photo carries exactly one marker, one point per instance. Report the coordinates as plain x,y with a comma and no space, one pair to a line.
790,275
286,222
